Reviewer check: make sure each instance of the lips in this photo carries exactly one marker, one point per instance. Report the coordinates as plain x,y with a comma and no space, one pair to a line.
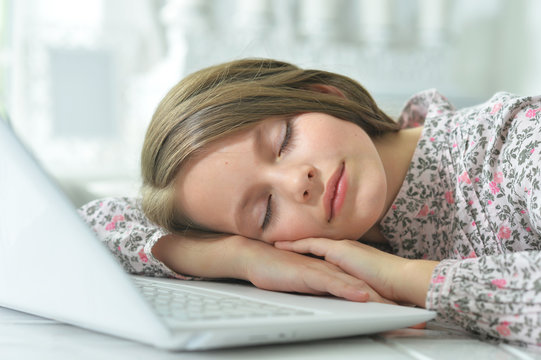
335,192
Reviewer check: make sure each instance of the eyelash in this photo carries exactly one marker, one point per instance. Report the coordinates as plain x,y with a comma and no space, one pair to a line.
268,214
284,148
288,139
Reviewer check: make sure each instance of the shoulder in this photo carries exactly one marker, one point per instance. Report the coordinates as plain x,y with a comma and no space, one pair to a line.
416,109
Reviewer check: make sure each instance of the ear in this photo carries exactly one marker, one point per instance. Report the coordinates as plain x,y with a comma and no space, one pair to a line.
327,89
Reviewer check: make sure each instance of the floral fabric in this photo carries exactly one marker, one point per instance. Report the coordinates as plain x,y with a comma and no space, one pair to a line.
122,226
472,196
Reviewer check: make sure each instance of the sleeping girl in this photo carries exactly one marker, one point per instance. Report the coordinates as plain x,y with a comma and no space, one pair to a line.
249,165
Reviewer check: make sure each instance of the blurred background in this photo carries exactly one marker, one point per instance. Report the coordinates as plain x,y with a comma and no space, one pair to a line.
81,79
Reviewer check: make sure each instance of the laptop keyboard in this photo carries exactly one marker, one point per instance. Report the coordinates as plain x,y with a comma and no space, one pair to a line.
180,305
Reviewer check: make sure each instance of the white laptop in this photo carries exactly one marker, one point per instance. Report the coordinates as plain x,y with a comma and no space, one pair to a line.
52,265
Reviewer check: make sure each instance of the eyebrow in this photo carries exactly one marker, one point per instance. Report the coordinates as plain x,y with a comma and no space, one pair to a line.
246,199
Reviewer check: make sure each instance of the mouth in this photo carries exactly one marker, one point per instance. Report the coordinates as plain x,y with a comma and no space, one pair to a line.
335,192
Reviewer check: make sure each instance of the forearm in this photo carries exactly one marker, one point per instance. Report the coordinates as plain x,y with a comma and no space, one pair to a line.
414,280
218,257
121,225
399,279
497,296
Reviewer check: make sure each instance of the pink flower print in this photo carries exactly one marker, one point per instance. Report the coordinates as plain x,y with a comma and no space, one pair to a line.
473,223
504,233
394,207
494,187
532,151
528,229
118,218
500,283
476,180
498,177
531,113
432,139
503,328
464,177
496,108
143,256
490,202
449,197
112,224
423,212
470,202
438,279
455,145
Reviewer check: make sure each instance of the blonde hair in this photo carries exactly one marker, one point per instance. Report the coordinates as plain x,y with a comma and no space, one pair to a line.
220,100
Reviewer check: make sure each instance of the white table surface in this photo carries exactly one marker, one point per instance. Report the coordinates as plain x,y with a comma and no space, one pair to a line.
24,336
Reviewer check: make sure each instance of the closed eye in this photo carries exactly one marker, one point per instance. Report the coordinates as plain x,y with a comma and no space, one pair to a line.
268,214
287,142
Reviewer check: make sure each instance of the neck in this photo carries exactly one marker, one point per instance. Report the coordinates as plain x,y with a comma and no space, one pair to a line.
396,151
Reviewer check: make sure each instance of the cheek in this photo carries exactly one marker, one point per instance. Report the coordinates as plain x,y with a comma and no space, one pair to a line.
295,229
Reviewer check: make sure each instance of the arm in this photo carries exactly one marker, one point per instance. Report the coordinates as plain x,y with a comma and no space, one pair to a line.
495,296
143,248
121,225
261,264
395,278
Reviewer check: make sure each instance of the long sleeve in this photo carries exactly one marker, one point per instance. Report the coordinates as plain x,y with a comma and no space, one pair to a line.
496,296
129,235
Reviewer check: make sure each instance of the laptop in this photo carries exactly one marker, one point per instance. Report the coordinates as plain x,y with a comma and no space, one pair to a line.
52,265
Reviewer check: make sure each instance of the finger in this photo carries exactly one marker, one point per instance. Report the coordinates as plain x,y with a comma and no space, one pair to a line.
342,253
343,285
360,293
356,283
419,326
316,246
334,285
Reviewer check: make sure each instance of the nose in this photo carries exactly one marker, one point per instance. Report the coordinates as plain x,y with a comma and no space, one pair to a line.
298,182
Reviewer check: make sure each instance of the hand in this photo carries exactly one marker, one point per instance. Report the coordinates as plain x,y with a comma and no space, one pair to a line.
273,269
392,277
262,264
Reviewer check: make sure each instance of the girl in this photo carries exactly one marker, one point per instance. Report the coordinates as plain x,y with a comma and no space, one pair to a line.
304,160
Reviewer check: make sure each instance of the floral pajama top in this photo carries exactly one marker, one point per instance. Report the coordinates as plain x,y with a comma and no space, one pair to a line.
471,199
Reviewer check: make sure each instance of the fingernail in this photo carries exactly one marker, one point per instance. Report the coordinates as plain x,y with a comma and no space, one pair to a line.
363,294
